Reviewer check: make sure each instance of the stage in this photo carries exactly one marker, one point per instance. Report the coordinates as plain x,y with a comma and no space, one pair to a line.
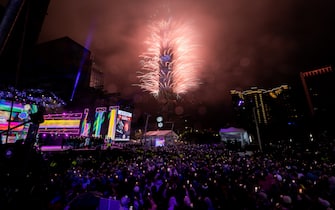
59,148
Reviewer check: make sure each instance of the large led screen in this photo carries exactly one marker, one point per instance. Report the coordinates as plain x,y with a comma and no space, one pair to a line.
65,123
103,122
99,122
14,118
122,125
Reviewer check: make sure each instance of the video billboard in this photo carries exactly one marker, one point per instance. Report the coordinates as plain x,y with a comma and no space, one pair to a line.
103,122
14,118
122,126
107,122
65,123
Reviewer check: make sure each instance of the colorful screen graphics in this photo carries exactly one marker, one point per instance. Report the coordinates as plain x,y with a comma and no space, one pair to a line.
102,122
15,122
107,122
65,123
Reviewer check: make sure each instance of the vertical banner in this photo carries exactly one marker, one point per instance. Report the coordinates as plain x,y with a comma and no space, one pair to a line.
99,120
112,115
85,125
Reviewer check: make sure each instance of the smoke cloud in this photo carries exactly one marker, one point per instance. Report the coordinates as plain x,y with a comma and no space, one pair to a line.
245,43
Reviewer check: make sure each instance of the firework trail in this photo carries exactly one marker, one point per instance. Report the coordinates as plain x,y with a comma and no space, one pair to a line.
171,63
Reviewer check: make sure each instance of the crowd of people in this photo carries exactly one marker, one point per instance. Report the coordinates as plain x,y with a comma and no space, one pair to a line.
189,176
77,142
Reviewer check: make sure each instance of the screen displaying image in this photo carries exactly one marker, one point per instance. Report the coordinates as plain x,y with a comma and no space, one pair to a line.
159,142
65,123
14,122
122,126
20,112
14,118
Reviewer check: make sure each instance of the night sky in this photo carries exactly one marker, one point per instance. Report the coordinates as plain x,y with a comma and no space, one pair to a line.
245,43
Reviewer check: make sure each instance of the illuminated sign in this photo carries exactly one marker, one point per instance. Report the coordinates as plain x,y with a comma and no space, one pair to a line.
66,123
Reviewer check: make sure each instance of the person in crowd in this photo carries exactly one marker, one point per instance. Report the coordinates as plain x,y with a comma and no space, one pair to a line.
198,176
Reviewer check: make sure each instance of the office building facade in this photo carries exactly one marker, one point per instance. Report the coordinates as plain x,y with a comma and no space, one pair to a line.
318,87
64,67
272,111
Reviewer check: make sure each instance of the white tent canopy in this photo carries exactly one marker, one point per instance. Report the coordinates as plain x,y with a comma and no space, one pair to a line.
160,137
235,134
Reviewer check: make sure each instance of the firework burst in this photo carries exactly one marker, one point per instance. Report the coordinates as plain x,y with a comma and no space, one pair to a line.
170,64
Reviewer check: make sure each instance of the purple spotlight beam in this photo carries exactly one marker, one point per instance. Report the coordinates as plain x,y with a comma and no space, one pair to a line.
87,45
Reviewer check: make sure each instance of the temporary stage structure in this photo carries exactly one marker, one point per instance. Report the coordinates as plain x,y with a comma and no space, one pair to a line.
160,137
233,134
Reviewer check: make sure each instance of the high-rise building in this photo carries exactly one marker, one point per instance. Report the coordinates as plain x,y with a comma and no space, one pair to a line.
97,76
319,85
62,66
272,111
258,100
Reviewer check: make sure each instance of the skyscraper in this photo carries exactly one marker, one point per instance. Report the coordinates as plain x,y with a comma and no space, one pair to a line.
272,111
318,86
62,66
